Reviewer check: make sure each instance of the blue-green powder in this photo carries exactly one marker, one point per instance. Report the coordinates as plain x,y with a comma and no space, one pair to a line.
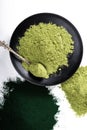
27,107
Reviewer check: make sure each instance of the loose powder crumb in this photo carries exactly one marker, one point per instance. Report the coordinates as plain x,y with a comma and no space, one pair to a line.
76,91
48,45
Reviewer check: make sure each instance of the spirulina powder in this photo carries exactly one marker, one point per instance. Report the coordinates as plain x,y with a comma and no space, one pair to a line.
76,91
27,107
46,46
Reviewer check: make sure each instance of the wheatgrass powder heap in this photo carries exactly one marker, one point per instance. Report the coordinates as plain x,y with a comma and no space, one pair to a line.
46,46
76,91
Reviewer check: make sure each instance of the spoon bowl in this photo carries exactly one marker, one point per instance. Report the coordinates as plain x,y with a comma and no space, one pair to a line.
74,59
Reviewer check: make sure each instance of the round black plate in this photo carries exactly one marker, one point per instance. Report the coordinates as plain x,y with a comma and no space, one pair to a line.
74,59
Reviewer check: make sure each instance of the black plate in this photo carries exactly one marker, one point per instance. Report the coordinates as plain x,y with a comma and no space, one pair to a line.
74,59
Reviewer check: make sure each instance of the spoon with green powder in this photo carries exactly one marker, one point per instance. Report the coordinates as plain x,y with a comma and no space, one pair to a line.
36,69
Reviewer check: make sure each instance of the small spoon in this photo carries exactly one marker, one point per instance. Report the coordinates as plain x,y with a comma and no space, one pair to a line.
38,71
3,44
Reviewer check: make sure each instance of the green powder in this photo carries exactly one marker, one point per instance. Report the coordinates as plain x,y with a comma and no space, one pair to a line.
76,91
48,45
27,107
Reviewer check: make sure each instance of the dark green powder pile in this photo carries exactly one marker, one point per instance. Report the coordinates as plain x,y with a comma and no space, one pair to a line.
76,91
27,107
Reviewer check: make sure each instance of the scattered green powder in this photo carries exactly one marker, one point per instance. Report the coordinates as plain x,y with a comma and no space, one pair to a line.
45,44
27,107
76,91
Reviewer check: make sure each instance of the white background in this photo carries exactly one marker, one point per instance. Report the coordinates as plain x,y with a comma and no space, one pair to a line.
12,12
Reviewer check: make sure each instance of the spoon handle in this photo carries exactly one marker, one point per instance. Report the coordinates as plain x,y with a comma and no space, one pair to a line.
3,44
